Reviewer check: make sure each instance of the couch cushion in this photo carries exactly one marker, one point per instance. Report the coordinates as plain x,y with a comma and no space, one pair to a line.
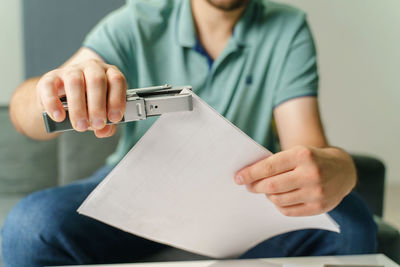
26,165
6,203
81,154
388,240
371,181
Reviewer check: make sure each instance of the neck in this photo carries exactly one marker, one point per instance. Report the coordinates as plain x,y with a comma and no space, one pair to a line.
214,26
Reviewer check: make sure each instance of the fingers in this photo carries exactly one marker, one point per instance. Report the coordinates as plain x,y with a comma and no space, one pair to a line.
280,183
308,209
107,131
96,91
297,181
74,85
271,166
288,199
300,202
116,101
47,89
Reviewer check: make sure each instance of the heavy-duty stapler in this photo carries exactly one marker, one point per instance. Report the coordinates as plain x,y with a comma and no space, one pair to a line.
141,103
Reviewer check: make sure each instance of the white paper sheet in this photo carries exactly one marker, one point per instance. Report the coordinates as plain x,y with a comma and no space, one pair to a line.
176,187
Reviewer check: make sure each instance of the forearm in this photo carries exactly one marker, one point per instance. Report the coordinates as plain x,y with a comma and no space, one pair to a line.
26,111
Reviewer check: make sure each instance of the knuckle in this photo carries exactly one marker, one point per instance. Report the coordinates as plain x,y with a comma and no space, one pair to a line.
97,111
96,79
76,113
43,89
290,199
73,77
77,108
117,78
49,76
46,81
305,153
112,67
43,83
114,103
271,187
93,61
49,102
268,168
279,201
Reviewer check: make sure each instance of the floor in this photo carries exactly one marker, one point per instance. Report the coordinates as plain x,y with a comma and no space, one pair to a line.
392,205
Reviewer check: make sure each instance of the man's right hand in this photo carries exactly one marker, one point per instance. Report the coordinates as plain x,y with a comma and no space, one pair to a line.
95,91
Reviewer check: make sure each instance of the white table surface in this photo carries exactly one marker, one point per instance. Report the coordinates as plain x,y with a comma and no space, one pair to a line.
362,260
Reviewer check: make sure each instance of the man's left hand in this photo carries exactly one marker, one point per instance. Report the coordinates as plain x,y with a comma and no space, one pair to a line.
302,181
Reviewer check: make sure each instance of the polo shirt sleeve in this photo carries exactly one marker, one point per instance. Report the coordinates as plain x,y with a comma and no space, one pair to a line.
113,39
299,76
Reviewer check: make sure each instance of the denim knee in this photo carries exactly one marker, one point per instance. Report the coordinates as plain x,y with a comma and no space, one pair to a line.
358,229
39,230
357,236
25,230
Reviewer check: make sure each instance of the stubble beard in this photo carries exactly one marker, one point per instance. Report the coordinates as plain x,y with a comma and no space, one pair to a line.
228,5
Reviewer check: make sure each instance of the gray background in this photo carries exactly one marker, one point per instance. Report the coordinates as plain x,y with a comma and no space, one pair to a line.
55,29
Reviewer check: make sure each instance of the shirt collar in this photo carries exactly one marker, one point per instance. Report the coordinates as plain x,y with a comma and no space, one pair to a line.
186,27
187,31
243,27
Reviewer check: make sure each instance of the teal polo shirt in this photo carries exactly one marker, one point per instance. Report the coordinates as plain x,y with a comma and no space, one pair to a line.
269,59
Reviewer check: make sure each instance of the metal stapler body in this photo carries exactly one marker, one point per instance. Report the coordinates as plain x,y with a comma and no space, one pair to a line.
141,103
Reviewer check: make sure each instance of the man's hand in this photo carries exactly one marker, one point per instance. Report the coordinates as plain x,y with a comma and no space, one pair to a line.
302,181
95,91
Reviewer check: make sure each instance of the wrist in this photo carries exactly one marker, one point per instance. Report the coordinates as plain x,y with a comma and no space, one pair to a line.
346,163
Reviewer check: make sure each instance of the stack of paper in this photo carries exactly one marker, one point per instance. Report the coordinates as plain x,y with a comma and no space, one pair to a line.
176,186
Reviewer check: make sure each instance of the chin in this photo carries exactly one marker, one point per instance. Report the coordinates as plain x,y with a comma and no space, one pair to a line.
228,5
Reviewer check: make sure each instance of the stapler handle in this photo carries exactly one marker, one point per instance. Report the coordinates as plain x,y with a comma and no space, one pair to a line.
66,125
141,103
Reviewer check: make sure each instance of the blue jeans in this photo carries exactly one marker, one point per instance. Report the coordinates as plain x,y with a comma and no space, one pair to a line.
45,229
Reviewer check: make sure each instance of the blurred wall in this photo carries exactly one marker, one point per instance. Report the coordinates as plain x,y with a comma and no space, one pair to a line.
358,43
11,67
359,56
54,30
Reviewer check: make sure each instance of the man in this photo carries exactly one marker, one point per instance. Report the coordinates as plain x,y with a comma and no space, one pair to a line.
254,62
